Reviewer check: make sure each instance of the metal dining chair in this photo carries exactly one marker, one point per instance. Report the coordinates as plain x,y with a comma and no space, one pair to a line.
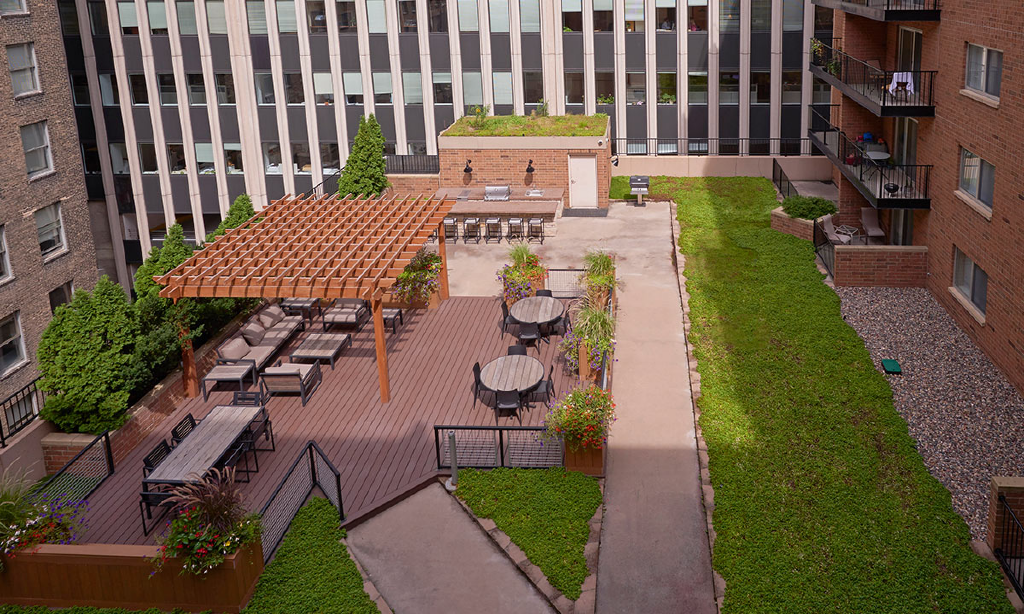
517,350
544,293
529,331
508,400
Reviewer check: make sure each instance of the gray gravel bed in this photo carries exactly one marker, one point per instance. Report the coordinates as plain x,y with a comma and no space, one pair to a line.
967,419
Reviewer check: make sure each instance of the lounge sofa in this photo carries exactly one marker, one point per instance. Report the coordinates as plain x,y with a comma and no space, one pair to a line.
260,338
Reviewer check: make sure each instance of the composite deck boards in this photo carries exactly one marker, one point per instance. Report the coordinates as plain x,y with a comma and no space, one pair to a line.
381,450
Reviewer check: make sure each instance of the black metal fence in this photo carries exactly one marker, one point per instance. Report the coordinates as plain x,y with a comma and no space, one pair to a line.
824,248
566,283
899,5
797,146
487,447
19,410
83,474
416,164
886,87
1010,552
781,181
311,469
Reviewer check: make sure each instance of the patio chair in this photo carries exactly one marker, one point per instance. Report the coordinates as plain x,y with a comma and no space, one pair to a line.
451,230
545,389
293,378
150,500
561,326
261,426
182,429
830,232
517,350
253,398
535,230
346,312
506,319
493,226
869,220
544,293
530,332
155,457
471,229
508,400
237,458
515,229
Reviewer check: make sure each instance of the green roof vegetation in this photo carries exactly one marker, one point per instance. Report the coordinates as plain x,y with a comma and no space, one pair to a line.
529,125
822,502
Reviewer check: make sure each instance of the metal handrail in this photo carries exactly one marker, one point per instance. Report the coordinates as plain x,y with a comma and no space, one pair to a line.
108,457
28,391
717,146
874,83
1012,558
781,180
499,460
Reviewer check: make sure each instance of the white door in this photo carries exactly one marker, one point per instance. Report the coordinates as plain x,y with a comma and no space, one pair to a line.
582,182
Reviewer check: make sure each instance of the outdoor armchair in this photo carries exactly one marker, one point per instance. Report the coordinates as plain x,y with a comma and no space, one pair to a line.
830,232
545,389
150,500
869,220
346,312
293,378
506,319
529,332
182,429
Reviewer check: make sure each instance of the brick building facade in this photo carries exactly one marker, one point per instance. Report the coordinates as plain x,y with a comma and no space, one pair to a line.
44,213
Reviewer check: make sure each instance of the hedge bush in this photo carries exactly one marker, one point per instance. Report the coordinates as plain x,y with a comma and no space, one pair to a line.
808,207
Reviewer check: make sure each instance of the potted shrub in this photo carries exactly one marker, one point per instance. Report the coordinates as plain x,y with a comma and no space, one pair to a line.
523,275
581,419
211,524
417,286
29,519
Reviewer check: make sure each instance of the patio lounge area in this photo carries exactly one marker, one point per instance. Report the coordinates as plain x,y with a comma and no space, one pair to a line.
381,449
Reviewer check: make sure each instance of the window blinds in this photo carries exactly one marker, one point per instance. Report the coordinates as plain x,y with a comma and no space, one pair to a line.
353,83
529,15
634,10
286,21
468,20
412,88
157,16
256,14
186,17
572,6
502,88
499,15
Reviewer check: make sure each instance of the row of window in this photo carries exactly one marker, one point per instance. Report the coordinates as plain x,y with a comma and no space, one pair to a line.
49,231
12,345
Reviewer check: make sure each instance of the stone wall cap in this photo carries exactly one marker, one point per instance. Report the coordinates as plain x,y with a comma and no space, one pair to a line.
910,249
1008,482
68,439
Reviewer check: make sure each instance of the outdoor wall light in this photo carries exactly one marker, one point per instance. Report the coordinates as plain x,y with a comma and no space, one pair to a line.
615,160
529,167
468,169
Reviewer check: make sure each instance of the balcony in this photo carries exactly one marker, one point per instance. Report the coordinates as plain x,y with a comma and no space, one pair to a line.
886,93
886,10
883,184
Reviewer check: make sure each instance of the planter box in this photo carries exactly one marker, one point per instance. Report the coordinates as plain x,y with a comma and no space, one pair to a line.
432,303
585,460
795,226
118,576
538,285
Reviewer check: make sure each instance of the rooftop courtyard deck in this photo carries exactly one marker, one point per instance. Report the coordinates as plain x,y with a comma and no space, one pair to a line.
381,450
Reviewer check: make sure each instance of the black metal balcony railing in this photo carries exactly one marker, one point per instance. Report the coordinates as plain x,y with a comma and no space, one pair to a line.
413,164
883,182
1010,552
713,147
19,410
898,5
884,92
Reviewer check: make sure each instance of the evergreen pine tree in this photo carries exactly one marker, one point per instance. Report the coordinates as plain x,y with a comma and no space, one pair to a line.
364,172
239,213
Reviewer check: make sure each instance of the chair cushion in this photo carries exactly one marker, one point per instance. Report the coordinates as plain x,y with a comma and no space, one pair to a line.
276,336
275,312
301,368
235,349
261,354
266,319
253,332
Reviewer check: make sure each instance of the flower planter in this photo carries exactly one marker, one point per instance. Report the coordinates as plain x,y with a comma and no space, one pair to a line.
587,374
585,460
432,303
535,284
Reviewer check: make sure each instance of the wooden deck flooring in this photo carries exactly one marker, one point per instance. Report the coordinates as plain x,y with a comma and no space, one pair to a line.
381,450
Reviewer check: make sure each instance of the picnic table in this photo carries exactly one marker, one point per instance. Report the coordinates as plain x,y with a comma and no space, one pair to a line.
539,310
512,373
204,446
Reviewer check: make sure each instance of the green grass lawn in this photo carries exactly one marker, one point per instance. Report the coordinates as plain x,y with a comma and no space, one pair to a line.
822,503
543,511
525,125
619,189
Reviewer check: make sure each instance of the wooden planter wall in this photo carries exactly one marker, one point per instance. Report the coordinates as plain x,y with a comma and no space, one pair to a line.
118,576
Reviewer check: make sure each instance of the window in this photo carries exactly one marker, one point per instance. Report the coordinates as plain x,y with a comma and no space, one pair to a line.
147,157
329,158
665,14
12,7
823,19
498,15
196,89
666,88
468,21
792,15
204,159
472,88
417,148
233,158
48,229
168,96
438,18
187,18
821,92
323,88
977,177
728,88
59,296
760,87
353,84
128,18
108,90
346,16
529,15
407,15
792,82
5,261
970,279
316,14
215,18
118,158
533,86
376,17
301,162
293,92
442,87
697,14
79,89
12,350
137,84
272,158
176,158
636,88
729,15
264,88
68,18
760,15
382,88
984,70
286,20
698,88
572,15
256,16
21,59
634,15
98,18
412,88
502,88
35,142
574,88
157,18
604,16
604,84
91,158
225,88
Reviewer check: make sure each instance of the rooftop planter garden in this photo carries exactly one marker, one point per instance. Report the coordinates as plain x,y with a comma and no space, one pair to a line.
591,340
417,286
529,125
582,419
523,275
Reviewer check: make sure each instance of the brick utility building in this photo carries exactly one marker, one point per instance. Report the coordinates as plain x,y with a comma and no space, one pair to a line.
46,245
927,102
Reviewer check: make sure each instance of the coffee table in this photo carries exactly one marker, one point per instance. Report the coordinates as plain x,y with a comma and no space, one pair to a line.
234,372
322,346
301,306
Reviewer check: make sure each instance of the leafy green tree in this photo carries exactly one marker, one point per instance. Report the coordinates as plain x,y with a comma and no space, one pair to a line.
239,213
84,356
161,261
364,172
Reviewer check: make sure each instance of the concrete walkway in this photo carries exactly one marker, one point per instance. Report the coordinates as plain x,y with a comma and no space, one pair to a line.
654,545
425,555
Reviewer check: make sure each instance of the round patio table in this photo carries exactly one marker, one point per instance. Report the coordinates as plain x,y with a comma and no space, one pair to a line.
539,310
512,373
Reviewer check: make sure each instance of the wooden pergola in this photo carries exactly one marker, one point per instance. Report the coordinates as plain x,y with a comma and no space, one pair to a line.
318,247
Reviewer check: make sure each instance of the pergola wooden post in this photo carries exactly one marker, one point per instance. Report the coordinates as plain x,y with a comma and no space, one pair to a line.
443,252
189,373
324,248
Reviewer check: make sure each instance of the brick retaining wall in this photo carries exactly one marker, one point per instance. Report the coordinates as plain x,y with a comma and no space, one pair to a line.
891,266
1013,489
798,227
